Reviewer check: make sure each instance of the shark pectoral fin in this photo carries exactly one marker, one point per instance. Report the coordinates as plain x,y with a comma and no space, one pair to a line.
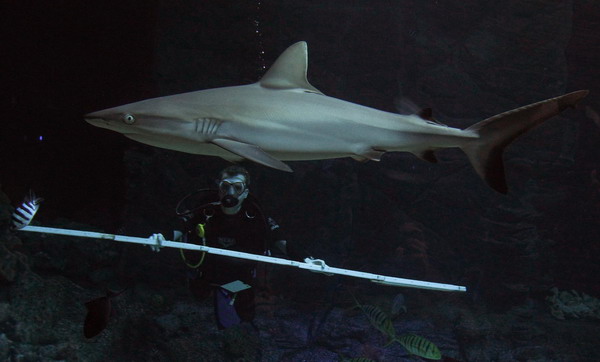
251,152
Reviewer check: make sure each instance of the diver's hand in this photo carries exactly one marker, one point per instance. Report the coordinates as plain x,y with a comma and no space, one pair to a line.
157,240
317,262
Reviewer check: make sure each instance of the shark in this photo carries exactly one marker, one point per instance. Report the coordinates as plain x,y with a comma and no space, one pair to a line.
282,117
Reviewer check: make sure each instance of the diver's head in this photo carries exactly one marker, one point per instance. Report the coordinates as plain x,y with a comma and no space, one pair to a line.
233,188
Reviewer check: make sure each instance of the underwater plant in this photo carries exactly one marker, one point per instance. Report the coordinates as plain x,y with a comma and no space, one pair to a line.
571,304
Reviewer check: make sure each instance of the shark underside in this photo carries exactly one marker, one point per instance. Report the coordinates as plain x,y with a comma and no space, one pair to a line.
284,118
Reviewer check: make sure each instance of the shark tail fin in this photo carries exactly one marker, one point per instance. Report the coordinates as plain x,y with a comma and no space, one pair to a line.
495,133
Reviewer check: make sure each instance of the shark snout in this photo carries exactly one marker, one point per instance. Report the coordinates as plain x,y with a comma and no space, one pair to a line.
112,120
97,115
104,119
95,121
100,120
94,117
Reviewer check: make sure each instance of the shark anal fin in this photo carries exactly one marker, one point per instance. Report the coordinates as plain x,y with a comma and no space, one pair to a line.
251,152
428,156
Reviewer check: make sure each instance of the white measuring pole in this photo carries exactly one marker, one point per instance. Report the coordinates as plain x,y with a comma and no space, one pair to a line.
377,278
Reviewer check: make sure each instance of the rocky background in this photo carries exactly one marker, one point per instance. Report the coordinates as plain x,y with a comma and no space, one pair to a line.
530,259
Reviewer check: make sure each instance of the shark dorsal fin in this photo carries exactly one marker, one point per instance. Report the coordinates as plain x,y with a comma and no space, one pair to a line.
289,70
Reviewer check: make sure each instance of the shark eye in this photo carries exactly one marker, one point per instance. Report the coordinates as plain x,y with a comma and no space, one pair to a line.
129,119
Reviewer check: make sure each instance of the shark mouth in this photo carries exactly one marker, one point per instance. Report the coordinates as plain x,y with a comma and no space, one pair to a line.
98,122
111,125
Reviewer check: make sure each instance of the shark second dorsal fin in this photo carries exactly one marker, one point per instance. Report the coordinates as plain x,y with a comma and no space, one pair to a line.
289,70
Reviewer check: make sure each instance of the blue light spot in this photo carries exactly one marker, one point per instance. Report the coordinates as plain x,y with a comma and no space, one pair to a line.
41,138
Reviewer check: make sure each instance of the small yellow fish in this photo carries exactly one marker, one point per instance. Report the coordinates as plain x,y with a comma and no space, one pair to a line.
419,346
379,320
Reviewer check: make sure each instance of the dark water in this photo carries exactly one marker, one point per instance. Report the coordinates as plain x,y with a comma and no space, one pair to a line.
401,216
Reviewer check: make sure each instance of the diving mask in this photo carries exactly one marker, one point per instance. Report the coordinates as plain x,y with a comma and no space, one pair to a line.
232,192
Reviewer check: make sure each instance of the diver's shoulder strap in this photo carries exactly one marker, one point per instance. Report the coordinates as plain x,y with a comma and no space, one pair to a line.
195,201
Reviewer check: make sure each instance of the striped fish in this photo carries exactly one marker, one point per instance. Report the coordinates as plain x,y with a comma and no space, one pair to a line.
23,215
419,346
379,319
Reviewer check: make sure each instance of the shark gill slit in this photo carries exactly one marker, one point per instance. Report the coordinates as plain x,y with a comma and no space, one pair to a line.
207,126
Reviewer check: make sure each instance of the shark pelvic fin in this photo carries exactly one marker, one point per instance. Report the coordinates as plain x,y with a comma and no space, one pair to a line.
497,132
369,155
251,152
289,70
373,154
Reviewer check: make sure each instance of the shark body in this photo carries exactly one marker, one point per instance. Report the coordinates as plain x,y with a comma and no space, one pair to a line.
284,118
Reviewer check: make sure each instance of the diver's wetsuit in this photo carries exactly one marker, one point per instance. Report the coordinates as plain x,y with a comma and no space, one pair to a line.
247,231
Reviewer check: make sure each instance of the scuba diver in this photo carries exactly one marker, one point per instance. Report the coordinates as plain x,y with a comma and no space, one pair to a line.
229,218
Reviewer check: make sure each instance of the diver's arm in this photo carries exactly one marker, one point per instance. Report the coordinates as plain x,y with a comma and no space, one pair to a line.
277,243
280,246
178,234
